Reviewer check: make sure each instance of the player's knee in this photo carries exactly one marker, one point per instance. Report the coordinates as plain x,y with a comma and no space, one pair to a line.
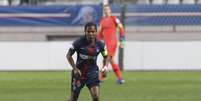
73,100
95,98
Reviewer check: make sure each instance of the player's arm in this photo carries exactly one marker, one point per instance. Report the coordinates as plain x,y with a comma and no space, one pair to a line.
122,32
106,60
69,57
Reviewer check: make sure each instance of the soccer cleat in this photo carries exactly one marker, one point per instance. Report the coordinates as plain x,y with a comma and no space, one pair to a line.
120,81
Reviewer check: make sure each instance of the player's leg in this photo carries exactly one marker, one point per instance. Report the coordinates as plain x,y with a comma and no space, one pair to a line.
95,93
115,66
76,86
93,84
74,96
75,91
117,71
111,49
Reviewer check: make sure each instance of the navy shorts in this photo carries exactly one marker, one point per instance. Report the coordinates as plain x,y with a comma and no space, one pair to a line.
91,80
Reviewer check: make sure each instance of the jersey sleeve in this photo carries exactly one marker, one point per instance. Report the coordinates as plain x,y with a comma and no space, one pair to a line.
121,29
74,47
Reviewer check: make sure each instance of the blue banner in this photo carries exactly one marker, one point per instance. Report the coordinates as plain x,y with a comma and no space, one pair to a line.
68,15
77,15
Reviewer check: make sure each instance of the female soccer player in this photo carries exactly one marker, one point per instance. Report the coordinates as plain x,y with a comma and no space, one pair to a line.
86,71
107,33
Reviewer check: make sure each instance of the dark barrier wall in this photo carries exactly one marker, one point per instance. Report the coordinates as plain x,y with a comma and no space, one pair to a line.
161,14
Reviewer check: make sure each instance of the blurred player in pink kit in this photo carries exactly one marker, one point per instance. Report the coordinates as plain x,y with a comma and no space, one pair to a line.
107,32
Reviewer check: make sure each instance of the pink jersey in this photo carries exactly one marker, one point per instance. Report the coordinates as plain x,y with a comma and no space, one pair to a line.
108,30
108,33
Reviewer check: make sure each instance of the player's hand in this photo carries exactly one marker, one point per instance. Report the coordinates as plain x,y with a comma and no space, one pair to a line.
122,41
104,71
122,44
77,72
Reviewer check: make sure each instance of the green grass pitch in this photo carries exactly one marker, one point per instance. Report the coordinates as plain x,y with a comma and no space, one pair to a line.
139,86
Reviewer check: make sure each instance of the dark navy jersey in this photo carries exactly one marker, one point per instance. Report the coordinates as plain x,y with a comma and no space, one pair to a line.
87,54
